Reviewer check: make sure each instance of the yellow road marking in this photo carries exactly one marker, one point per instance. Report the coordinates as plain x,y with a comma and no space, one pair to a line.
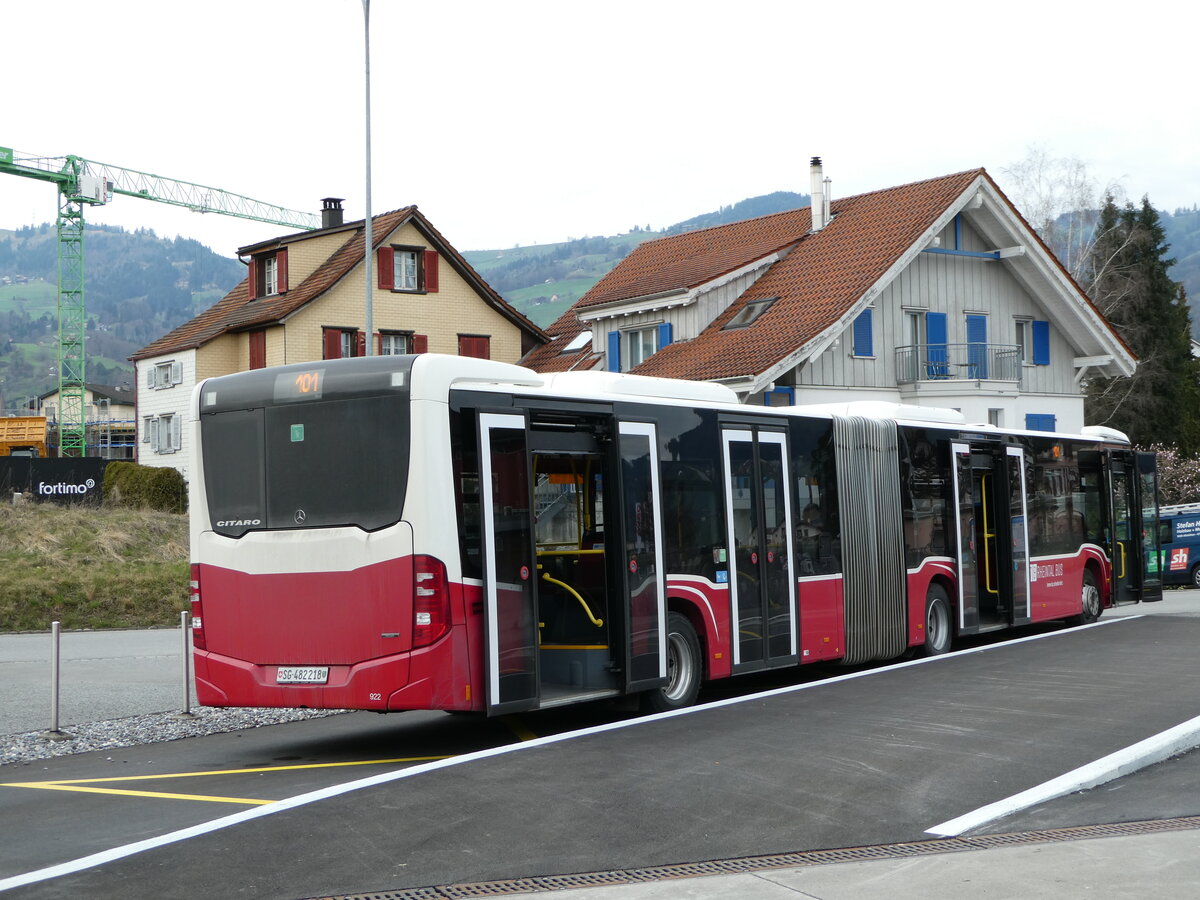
92,790
77,784
519,729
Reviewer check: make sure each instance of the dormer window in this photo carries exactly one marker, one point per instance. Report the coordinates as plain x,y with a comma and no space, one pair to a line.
268,274
751,311
410,269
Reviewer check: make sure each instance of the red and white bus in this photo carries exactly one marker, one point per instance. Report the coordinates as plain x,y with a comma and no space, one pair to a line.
436,532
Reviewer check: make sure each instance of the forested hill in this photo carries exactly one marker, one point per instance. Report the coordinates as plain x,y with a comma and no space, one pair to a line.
137,287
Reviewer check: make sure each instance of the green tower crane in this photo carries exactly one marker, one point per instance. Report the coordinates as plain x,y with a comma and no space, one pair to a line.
82,183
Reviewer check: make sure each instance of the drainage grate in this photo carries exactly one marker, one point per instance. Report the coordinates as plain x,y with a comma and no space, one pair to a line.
548,883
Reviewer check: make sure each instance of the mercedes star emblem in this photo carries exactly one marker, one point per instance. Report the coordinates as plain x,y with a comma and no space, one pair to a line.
301,515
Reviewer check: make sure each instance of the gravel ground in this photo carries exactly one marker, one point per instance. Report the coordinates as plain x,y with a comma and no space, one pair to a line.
133,731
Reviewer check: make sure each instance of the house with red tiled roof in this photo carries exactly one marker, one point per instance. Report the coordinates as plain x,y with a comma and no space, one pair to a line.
936,293
303,300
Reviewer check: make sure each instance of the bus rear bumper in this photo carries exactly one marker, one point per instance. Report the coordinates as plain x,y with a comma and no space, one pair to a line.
421,679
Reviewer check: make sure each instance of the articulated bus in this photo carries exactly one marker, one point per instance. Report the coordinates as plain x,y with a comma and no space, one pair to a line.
437,532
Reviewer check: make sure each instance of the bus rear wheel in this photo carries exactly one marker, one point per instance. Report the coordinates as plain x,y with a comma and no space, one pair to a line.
1090,595
683,668
939,630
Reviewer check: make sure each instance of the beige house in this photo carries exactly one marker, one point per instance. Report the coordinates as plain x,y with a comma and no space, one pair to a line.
303,300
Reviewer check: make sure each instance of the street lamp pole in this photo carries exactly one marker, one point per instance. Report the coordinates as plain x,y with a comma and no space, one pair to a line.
368,243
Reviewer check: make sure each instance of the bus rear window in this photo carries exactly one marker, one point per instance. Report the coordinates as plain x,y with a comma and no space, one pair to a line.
307,465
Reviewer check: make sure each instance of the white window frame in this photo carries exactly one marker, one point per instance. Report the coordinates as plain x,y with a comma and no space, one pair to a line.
1023,338
270,276
164,375
394,344
635,344
164,433
406,270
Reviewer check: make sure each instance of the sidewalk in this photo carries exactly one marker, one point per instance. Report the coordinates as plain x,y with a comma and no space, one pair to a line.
1165,865
103,675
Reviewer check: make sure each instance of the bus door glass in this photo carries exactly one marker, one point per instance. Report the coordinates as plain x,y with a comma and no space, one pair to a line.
510,585
969,552
1019,531
1126,542
645,588
759,519
1152,576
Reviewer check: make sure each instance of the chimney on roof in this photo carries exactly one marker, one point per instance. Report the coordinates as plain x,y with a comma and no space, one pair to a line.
331,212
820,194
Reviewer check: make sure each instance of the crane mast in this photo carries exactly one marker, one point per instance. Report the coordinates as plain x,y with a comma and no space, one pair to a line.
82,183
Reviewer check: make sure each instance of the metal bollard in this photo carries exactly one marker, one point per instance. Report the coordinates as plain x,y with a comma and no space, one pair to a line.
185,626
54,734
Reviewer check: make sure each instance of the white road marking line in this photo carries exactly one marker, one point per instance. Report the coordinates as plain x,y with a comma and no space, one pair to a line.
258,812
1154,749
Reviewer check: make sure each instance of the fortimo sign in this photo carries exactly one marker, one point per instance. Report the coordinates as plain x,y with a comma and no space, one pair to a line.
63,487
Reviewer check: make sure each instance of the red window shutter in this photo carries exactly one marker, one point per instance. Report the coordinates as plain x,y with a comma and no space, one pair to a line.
360,343
252,279
431,271
281,271
420,343
378,344
478,347
258,349
385,259
332,339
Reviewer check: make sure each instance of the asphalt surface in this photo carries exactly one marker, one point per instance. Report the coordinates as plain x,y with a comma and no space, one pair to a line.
876,759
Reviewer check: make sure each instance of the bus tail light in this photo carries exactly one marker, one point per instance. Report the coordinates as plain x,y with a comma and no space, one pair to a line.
431,600
198,641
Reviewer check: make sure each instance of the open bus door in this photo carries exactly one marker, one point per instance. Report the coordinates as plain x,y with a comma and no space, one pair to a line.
574,600
644,592
510,583
993,537
1133,512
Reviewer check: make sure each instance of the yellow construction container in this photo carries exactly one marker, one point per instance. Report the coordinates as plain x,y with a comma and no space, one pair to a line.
23,436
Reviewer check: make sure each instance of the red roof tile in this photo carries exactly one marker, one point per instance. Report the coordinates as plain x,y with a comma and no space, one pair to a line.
819,279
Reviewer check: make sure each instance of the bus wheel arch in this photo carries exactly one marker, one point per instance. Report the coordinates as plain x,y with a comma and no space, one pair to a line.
939,619
685,667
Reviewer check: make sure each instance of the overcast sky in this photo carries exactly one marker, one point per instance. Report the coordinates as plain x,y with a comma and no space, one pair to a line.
531,121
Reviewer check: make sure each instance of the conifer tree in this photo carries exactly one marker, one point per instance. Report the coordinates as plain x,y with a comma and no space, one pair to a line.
1160,402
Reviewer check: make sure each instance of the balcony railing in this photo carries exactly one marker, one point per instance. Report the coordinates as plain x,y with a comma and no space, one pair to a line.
958,362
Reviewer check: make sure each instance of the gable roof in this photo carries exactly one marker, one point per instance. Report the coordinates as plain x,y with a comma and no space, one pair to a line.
819,281
236,312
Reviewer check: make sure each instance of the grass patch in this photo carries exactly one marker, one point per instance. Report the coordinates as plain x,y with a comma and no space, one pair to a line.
89,567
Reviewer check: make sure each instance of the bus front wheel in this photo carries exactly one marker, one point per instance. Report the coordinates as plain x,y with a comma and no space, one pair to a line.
1196,576
684,666
939,630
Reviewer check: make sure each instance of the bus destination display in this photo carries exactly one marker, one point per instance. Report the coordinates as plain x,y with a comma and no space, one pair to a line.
306,385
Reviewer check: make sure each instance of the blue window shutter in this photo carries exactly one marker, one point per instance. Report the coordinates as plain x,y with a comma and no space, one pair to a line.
614,351
977,346
664,335
863,334
1039,422
935,337
1041,343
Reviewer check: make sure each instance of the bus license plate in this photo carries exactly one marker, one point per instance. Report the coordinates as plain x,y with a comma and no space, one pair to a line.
302,675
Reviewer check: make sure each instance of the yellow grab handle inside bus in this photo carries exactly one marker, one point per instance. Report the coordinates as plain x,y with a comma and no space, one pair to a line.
574,593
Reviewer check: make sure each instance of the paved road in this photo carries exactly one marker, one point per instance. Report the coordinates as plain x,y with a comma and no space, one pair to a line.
863,761
531,813
104,675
